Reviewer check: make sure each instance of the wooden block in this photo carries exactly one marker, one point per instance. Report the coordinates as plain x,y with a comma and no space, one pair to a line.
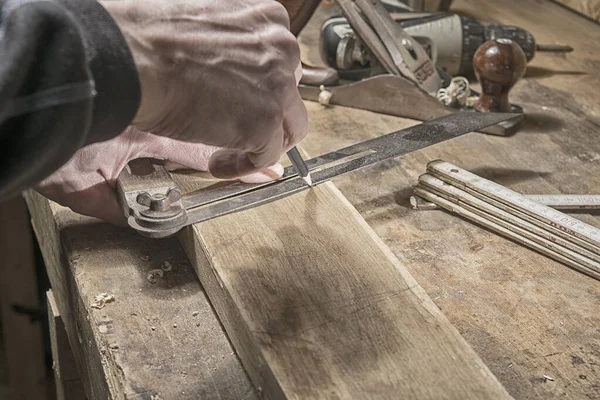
319,308
156,340
66,377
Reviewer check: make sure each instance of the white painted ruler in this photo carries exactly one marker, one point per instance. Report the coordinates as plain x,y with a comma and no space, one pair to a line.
509,221
566,202
548,251
560,224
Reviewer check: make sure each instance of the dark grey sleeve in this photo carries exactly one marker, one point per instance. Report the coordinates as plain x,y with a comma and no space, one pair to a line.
67,79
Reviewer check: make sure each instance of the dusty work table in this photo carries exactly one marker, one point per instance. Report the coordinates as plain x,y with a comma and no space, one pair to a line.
528,317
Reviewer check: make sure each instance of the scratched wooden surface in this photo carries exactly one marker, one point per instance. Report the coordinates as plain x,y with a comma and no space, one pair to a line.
157,340
318,308
526,315
589,8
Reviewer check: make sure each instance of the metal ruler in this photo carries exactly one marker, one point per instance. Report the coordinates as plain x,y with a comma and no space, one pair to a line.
155,206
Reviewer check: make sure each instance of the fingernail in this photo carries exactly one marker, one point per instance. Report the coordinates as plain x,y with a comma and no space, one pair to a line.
271,173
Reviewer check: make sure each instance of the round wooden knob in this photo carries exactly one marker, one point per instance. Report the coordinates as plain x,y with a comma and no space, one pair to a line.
498,65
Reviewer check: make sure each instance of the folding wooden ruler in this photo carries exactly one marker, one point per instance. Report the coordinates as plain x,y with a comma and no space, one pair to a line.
524,219
155,207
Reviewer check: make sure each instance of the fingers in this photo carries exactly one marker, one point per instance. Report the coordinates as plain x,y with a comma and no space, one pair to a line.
178,154
231,164
295,122
99,201
183,155
269,174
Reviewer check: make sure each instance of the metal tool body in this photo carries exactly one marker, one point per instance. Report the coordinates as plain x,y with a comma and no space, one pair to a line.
450,40
406,83
393,95
154,206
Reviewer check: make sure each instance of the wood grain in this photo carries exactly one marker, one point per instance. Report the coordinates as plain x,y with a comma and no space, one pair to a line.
525,315
66,377
160,339
589,8
23,335
318,307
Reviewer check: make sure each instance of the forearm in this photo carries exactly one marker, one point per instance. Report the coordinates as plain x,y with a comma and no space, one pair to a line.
67,79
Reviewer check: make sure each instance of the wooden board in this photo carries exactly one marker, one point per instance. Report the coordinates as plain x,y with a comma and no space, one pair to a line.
4,389
318,308
23,340
589,8
66,377
156,340
525,315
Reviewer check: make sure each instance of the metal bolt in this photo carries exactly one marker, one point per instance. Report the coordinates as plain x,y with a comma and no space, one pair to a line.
159,201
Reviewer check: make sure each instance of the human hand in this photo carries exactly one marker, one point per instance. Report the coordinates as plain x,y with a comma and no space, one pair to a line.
86,183
222,73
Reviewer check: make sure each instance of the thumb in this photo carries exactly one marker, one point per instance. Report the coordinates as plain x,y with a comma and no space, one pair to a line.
197,156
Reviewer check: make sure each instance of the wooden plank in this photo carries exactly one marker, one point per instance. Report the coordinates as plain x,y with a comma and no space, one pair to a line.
318,307
23,339
145,344
525,315
58,266
66,377
4,389
589,8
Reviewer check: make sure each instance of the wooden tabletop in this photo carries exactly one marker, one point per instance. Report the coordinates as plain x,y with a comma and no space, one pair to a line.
524,314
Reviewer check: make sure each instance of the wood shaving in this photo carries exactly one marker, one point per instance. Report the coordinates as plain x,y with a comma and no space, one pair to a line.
167,266
154,274
102,300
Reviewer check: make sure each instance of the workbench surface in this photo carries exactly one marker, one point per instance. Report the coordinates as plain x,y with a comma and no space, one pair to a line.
528,317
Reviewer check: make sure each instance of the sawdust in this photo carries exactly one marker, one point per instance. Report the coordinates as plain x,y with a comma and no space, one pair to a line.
102,300
154,274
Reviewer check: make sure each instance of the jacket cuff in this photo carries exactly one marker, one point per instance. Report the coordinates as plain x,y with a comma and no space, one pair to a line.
113,70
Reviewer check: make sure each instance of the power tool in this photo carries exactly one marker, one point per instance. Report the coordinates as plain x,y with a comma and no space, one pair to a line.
449,39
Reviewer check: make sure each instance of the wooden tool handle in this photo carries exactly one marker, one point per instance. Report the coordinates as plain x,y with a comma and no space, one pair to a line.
498,65
316,76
